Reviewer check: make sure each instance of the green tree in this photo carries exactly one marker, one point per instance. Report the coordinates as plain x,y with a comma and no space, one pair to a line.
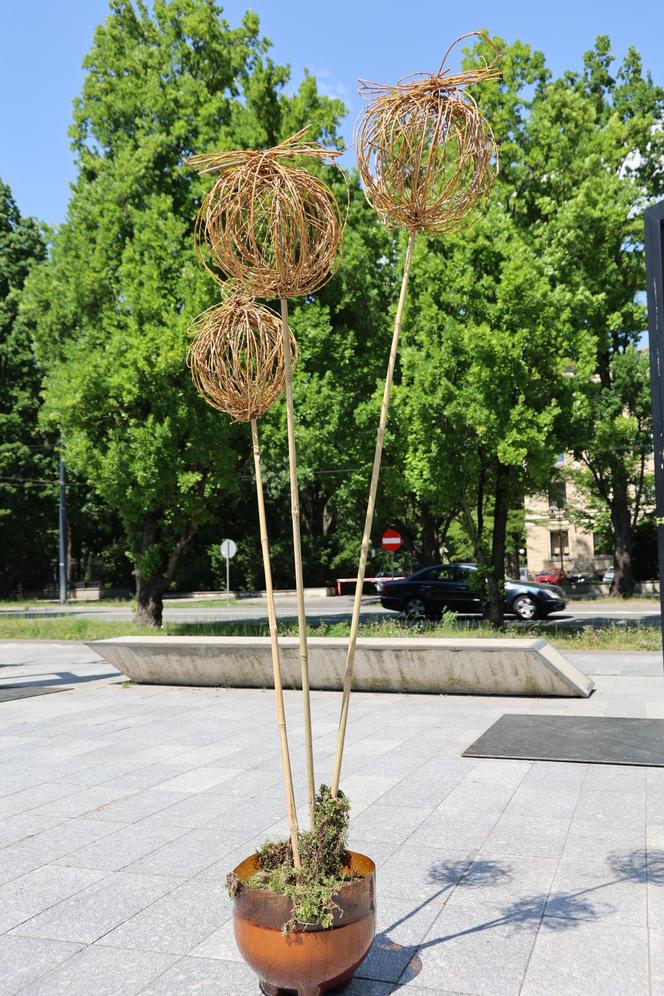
614,478
111,307
28,466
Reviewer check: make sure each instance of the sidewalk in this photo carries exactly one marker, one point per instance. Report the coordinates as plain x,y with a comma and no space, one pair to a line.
122,809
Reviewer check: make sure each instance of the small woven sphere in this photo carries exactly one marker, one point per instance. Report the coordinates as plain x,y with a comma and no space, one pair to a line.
271,225
426,155
237,357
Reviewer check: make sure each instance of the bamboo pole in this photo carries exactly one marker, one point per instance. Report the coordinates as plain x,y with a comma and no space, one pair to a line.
276,664
297,557
368,522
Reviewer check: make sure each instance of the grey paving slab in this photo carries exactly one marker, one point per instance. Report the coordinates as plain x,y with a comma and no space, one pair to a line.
474,952
177,923
656,945
25,959
589,959
96,910
39,890
102,971
121,848
423,874
205,975
528,836
612,891
390,823
400,928
515,860
188,854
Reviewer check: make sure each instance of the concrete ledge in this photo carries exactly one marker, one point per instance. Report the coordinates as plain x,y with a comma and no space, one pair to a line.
469,667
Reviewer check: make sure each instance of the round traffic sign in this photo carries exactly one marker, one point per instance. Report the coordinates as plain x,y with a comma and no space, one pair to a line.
391,540
228,549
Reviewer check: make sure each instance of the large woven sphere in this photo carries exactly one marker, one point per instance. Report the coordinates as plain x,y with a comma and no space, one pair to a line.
268,223
237,358
426,154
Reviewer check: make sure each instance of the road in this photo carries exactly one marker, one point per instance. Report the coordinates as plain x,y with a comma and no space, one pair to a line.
578,612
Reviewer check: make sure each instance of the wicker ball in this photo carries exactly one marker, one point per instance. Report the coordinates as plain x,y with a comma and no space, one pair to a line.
426,154
237,359
268,223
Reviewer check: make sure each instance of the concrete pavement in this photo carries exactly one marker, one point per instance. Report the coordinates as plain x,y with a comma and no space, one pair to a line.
122,809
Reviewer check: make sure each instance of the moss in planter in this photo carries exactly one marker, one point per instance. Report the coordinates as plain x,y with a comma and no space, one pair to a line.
323,857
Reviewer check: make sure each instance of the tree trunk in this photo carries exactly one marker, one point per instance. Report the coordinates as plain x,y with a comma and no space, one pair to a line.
149,600
494,607
623,578
430,538
150,590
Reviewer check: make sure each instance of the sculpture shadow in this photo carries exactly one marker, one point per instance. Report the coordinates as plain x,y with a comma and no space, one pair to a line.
560,911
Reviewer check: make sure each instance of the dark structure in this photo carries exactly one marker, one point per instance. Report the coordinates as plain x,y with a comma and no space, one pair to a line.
654,219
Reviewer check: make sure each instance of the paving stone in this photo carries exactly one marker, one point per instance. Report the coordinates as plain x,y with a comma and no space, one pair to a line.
25,959
390,823
474,953
529,836
454,832
102,971
96,910
656,945
205,975
589,959
178,922
615,806
198,780
39,890
400,928
138,805
187,855
121,848
423,874
600,891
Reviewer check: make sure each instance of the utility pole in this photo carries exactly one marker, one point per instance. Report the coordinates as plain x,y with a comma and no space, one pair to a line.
62,560
654,243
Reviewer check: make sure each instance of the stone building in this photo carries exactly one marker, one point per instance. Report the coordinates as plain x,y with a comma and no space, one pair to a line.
553,541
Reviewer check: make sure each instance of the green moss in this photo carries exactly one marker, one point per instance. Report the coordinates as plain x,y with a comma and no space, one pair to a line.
312,887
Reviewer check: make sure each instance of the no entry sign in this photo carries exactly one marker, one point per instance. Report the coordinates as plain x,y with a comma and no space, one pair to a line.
391,540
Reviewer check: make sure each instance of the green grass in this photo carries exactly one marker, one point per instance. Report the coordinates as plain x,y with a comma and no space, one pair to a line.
616,636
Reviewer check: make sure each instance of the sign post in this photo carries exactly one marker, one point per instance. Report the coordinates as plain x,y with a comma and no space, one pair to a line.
391,541
228,550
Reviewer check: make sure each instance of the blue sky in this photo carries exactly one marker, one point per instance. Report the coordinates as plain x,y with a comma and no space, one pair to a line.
43,44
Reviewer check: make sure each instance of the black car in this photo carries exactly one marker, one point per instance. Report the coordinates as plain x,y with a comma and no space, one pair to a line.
453,587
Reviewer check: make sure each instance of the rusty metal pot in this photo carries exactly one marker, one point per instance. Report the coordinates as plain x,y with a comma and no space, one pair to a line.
307,961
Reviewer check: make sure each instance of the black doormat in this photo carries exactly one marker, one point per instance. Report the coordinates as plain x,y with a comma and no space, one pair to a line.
586,739
26,692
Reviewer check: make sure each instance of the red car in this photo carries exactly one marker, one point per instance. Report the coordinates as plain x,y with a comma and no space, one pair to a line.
552,577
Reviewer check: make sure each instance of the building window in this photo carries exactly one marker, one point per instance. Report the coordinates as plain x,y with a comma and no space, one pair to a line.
558,494
555,538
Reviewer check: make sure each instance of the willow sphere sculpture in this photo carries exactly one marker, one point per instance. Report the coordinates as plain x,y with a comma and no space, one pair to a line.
267,222
426,154
237,357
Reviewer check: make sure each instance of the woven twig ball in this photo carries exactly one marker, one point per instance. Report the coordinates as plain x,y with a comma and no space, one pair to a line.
237,357
269,223
426,154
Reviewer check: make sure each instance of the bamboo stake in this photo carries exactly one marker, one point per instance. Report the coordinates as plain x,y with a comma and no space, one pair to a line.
368,522
276,664
297,556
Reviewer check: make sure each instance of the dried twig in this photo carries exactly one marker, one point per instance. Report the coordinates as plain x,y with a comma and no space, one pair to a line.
427,157
237,357
426,154
267,221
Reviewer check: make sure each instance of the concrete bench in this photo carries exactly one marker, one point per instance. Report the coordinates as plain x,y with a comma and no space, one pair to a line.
418,665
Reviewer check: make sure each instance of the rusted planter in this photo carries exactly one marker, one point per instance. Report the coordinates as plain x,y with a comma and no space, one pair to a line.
308,961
